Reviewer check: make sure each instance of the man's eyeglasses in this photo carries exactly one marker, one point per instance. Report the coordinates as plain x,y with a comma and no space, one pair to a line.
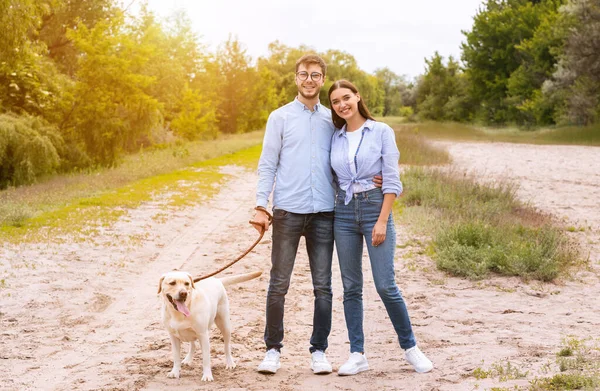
315,76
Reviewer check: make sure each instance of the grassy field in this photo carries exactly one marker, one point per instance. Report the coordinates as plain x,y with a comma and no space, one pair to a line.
71,207
570,135
479,229
476,229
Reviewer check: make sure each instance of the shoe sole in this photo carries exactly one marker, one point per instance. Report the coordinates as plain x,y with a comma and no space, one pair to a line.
271,371
360,369
425,371
322,371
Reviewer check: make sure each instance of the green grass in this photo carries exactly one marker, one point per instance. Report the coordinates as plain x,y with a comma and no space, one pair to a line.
504,372
579,365
74,207
571,135
417,151
480,229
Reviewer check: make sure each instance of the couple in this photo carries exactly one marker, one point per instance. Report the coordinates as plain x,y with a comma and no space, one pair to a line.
319,163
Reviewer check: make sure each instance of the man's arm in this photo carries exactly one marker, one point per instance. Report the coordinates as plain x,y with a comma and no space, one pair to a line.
267,169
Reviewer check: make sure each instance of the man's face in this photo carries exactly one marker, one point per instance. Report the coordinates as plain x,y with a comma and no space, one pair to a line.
309,88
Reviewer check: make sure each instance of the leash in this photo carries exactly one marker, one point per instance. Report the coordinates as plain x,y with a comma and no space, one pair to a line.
262,233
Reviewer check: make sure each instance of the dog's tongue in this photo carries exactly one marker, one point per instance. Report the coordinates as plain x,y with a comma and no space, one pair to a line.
181,307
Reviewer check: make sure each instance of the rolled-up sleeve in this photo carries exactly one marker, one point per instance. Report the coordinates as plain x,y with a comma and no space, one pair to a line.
390,157
269,159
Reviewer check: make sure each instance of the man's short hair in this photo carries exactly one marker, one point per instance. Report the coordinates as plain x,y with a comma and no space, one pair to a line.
308,59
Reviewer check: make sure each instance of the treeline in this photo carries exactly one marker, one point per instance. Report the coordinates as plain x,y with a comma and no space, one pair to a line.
84,82
529,63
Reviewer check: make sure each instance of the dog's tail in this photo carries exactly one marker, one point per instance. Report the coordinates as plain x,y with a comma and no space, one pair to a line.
230,280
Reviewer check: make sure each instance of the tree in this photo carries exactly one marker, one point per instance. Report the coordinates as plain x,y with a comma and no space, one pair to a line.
64,15
539,56
342,65
112,110
29,148
575,84
392,85
491,55
442,92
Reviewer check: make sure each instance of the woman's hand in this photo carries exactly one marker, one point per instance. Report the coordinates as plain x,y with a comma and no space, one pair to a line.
378,234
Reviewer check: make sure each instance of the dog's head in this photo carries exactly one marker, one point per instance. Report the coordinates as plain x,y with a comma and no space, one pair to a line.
176,287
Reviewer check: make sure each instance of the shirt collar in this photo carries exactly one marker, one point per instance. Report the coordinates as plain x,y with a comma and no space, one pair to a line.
368,126
303,107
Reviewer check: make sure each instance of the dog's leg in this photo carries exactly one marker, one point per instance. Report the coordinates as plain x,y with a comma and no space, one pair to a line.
224,324
188,358
176,349
205,346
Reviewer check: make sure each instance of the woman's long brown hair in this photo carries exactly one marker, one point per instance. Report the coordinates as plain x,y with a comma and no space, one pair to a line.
338,121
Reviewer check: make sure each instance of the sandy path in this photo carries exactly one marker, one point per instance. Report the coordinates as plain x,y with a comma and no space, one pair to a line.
83,316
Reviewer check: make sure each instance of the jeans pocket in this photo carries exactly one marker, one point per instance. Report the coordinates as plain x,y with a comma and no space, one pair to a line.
280,213
374,198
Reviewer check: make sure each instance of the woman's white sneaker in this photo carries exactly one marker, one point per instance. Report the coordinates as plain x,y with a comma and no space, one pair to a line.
271,362
356,363
418,360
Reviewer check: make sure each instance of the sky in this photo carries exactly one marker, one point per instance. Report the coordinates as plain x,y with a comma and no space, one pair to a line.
396,34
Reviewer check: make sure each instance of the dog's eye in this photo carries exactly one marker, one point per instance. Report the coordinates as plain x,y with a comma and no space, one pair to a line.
187,284
172,283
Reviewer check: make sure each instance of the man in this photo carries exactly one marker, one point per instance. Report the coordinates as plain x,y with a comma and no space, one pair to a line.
296,151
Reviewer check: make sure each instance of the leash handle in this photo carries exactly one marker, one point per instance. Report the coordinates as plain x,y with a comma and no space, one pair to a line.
262,233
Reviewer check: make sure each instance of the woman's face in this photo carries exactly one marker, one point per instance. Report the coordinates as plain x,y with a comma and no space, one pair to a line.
345,103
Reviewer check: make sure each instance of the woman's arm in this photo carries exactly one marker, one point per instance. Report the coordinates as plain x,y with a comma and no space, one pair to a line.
380,228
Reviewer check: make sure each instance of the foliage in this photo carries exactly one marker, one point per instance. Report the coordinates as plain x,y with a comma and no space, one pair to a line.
575,84
29,148
197,117
111,82
481,229
442,92
396,92
491,52
112,109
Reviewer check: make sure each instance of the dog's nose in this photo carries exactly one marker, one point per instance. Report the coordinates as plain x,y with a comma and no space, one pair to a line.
183,294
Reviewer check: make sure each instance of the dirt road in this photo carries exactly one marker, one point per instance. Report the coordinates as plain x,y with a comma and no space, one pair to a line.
85,316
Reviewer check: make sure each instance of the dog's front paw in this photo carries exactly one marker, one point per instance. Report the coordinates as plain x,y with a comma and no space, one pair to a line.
230,363
187,361
207,376
174,374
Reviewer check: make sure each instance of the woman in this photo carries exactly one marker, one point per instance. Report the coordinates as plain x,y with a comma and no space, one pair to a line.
362,148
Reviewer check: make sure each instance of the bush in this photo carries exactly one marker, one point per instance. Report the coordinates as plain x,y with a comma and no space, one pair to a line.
482,229
28,149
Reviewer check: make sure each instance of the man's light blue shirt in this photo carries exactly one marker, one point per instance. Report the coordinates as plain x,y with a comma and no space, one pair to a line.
377,155
295,162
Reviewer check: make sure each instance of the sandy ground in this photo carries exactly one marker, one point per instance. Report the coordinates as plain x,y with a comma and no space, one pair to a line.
85,316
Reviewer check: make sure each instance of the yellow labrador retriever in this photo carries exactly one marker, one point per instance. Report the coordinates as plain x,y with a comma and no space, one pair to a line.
189,310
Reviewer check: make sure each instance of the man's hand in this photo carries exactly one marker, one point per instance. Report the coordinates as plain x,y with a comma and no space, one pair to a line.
378,181
262,219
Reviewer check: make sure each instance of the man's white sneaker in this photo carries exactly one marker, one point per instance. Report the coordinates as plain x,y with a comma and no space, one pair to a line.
356,363
319,363
418,360
271,362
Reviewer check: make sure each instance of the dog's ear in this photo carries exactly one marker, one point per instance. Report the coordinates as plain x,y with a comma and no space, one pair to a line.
160,284
191,280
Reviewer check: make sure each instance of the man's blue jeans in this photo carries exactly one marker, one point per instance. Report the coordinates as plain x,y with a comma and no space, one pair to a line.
353,222
288,227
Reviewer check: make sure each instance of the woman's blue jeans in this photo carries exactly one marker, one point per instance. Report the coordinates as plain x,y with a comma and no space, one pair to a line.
353,223
288,227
